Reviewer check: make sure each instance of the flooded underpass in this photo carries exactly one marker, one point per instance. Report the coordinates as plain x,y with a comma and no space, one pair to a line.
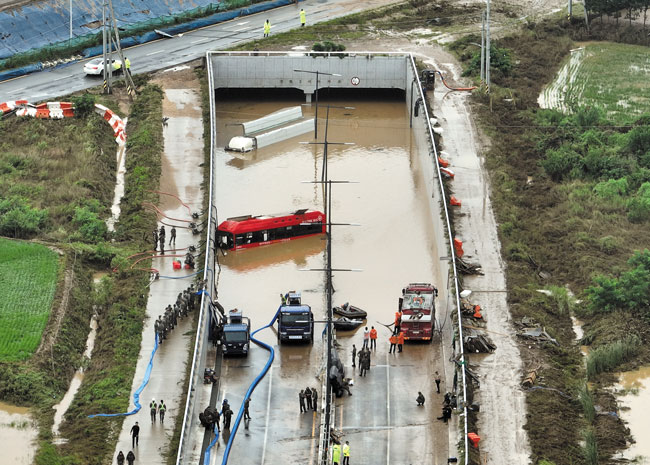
395,244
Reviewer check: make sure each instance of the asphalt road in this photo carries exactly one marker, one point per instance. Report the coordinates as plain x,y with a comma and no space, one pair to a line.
167,52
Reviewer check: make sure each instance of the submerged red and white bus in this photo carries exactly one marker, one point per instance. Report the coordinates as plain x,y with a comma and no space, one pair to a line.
243,232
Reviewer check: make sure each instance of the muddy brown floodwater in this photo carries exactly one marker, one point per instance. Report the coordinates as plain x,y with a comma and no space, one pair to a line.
634,404
18,434
395,244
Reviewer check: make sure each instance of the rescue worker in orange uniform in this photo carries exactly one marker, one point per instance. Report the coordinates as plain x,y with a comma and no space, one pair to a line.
373,338
398,321
400,341
393,343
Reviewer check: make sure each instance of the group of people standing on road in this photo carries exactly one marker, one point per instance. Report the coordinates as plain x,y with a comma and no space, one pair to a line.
186,302
159,409
308,396
158,238
303,20
364,358
337,450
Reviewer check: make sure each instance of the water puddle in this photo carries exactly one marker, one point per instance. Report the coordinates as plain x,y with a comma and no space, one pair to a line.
577,329
119,186
18,434
62,407
633,404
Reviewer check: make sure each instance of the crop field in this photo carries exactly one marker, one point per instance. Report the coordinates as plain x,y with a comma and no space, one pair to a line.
610,76
28,277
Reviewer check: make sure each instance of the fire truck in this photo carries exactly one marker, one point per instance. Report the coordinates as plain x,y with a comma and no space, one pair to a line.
418,308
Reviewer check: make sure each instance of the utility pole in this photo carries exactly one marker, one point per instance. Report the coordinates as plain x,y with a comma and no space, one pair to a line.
482,47
130,87
570,7
105,71
328,278
487,48
70,20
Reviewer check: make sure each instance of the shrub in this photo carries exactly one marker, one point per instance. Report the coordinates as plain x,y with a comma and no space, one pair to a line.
586,117
638,140
590,448
18,219
610,356
612,189
559,163
91,227
638,207
562,299
83,105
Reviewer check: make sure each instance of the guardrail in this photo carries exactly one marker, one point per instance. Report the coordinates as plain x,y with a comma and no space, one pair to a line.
198,359
451,252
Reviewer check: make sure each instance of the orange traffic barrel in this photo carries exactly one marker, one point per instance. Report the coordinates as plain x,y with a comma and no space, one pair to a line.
473,438
458,247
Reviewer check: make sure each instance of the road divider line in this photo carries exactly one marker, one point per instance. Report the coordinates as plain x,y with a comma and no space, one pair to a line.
387,411
241,29
200,41
156,52
268,414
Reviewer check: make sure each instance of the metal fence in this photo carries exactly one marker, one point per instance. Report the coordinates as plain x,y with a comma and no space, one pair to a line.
198,359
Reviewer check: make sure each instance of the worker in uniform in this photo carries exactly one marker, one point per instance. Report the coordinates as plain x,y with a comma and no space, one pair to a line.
162,408
336,454
398,321
393,343
247,415
161,240
227,415
308,398
161,233
354,355
400,341
153,407
172,236
346,453
154,236
267,28
303,19
420,399
373,338
301,398
314,398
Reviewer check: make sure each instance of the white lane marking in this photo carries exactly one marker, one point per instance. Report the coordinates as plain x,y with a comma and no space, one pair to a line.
387,411
154,53
18,90
241,29
268,414
200,41
242,23
62,78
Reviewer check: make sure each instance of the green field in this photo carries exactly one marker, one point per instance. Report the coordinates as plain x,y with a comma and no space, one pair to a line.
610,76
28,276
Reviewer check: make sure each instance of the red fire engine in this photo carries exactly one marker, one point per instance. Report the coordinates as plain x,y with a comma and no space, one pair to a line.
418,311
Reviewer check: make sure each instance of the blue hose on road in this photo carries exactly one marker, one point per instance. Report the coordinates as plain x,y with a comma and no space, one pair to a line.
253,385
136,395
206,457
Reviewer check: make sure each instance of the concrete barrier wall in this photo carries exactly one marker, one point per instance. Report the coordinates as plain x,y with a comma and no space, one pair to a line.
278,70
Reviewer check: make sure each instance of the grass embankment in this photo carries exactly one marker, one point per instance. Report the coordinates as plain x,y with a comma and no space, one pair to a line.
570,197
69,183
28,277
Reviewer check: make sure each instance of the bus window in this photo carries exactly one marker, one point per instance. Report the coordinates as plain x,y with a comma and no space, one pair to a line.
265,236
240,239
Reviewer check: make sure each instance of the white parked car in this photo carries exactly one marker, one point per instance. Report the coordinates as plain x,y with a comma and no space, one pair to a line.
95,67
